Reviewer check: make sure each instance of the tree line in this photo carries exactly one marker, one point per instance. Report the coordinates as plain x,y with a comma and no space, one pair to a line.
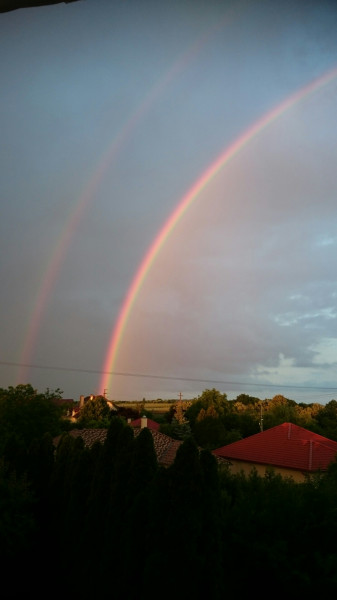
215,421
108,521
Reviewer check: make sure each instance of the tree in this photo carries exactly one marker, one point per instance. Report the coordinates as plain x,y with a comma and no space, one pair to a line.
247,400
26,415
211,535
211,401
17,530
186,520
327,420
180,427
95,412
280,410
244,422
211,433
180,408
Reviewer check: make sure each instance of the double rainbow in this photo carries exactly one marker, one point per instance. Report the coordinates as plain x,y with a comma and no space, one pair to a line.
185,203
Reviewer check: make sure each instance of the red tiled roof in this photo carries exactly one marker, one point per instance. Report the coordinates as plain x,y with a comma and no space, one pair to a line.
287,445
150,424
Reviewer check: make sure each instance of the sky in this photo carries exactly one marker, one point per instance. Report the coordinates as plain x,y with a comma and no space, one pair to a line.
168,198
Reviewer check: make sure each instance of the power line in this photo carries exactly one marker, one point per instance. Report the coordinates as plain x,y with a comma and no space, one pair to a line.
167,377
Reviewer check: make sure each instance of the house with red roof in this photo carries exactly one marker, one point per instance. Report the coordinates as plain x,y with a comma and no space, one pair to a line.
287,449
144,422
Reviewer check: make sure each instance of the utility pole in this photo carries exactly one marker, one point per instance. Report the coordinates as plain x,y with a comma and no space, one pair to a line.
105,393
180,395
261,418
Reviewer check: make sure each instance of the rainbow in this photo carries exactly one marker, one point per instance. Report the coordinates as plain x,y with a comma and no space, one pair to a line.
57,259
185,203
64,240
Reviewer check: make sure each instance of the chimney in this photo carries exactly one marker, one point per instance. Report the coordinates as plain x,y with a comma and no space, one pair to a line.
81,401
143,422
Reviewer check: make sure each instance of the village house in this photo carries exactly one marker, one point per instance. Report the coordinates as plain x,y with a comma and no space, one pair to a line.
287,449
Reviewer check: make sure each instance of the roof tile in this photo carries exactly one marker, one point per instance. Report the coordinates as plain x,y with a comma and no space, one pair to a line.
165,447
289,446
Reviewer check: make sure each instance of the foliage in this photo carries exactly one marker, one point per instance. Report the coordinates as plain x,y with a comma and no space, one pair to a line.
326,419
94,412
244,422
16,519
247,400
212,402
145,459
176,423
53,394
211,433
166,428
108,509
18,530
180,430
128,412
26,414
180,409
280,410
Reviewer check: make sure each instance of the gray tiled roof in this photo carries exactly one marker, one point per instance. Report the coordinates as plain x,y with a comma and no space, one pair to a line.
165,447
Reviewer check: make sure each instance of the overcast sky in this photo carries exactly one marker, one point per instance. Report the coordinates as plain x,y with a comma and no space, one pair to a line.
112,114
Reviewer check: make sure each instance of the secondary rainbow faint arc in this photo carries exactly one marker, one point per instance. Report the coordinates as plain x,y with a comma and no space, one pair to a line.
153,251
59,253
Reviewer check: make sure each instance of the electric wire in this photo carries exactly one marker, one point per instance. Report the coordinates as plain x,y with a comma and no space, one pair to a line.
170,377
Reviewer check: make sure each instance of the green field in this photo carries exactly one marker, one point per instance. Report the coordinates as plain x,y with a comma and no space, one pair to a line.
158,407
